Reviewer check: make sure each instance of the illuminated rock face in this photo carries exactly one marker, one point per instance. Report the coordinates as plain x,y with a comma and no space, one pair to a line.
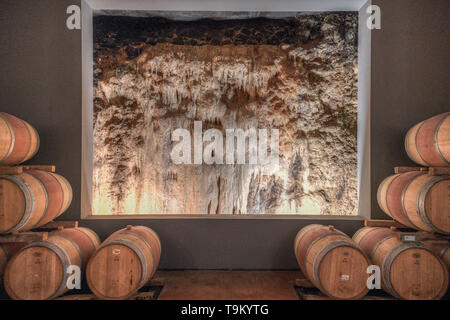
297,75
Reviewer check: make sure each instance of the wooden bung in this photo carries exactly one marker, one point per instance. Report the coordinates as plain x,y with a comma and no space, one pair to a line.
124,263
409,270
19,141
428,142
332,262
417,200
32,199
39,270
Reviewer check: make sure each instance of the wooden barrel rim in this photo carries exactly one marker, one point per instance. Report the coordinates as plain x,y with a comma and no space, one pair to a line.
415,143
136,250
13,138
63,257
146,243
374,249
435,139
402,199
80,253
392,255
406,147
26,189
323,252
420,201
331,233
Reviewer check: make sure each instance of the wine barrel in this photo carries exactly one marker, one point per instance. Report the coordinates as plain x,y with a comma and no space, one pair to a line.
3,260
441,249
332,262
124,263
408,270
19,141
428,142
417,200
32,199
39,270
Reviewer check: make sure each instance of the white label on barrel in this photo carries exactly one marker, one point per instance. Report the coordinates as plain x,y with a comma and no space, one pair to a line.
345,277
116,251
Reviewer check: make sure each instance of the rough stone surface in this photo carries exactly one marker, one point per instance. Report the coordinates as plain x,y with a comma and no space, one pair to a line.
298,75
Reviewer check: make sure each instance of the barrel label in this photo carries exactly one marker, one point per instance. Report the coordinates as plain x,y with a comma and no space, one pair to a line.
116,252
345,277
409,238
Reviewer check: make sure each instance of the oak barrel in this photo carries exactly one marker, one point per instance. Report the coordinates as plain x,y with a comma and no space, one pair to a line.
32,199
441,249
39,270
124,263
428,142
3,260
19,141
408,270
417,200
332,262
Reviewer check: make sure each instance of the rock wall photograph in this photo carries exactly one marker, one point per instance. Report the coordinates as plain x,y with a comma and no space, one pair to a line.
296,74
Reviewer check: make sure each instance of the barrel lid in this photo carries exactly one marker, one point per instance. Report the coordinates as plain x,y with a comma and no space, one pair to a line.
37,272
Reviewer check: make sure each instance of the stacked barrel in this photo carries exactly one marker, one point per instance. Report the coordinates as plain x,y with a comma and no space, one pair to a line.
41,270
35,197
416,199
409,270
332,262
124,263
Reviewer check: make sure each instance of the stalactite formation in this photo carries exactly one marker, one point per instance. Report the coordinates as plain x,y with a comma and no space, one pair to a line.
296,74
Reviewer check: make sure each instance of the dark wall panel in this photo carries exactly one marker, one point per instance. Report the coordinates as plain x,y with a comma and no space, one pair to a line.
40,81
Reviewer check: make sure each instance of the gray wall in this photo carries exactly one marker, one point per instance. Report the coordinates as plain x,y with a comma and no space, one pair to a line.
40,82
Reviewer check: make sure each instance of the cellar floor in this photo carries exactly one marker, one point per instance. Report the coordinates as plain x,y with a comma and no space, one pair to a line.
228,285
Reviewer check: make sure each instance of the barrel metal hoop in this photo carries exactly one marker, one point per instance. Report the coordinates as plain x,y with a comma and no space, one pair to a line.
38,142
415,144
59,183
435,138
46,199
147,245
386,195
3,248
13,139
136,250
29,201
379,243
29,147
298,240
63,257
443,252
331,233
360,230
94,245
76,247
406,143
402,199
420,201
389,259
321,254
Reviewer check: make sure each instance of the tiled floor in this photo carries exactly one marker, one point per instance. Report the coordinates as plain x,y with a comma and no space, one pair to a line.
228,285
